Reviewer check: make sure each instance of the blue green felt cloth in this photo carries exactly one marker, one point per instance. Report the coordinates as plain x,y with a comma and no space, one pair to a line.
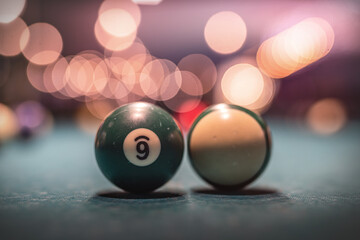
51,188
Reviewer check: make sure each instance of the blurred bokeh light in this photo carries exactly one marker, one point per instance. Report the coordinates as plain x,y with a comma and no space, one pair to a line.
117,22
242,84
326,116
225,32
185,117
41,43
86,121
183,57
8,123
10,34
295,48
111,42
10,9
147,2
203,68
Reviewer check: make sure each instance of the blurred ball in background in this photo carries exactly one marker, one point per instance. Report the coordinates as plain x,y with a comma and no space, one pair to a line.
33,119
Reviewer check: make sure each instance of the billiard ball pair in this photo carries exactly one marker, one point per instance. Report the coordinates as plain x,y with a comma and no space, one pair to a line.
139,146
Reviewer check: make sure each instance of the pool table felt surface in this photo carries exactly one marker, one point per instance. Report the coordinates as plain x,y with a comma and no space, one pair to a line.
51,187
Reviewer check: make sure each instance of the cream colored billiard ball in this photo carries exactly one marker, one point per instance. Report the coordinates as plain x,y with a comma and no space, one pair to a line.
229,146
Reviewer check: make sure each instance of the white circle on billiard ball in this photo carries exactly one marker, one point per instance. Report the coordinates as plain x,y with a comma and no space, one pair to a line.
142,147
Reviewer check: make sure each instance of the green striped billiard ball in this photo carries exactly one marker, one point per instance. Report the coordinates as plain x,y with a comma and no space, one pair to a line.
139,147
229,146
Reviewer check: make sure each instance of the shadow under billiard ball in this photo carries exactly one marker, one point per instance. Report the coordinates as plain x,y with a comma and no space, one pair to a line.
256,191
152,195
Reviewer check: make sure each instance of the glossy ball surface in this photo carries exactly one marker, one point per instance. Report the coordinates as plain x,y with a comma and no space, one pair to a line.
229,146
139,147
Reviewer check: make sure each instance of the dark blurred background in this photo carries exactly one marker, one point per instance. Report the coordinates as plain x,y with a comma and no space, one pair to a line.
78,60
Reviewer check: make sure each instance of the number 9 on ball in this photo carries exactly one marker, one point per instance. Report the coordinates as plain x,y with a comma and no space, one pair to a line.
139,147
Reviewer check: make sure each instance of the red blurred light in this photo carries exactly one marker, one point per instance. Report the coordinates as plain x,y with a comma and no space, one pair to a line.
187,118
